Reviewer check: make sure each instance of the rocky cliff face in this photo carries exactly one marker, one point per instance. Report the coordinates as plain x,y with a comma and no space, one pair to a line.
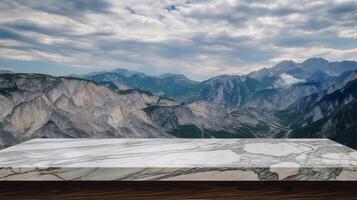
339,126
44,106
231,90
310,97
282,98
270,89
311,70
175,86
207,119
321,104
33,105
331,103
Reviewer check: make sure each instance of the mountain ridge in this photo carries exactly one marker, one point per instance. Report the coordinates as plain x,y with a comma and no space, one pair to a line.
37,105
221,88
286,100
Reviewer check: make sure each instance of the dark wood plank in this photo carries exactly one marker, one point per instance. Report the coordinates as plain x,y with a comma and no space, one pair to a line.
179,190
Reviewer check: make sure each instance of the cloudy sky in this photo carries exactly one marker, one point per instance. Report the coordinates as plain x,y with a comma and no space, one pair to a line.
198,38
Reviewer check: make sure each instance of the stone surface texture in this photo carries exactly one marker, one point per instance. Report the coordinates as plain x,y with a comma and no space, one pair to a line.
179,160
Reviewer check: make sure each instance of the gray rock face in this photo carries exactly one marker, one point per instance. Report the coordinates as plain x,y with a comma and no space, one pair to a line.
280,99
231,90
332,102
45,106
337,83
33,105
206,119
341,81
320,105
289,82
339,126
313,69
270,89
313,96
175,86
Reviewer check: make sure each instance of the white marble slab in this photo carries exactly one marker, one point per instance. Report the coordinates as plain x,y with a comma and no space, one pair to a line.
179,159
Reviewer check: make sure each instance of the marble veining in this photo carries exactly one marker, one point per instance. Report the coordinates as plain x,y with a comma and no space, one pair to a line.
179,159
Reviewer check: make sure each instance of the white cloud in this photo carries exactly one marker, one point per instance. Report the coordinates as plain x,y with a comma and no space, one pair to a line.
7,69
286,80
175,35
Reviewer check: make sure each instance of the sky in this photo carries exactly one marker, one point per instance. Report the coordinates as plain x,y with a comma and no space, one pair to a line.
197,38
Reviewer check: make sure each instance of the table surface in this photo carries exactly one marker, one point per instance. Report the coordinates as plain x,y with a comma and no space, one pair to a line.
179,160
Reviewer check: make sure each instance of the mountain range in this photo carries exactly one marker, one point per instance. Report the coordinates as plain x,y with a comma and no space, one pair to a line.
315,98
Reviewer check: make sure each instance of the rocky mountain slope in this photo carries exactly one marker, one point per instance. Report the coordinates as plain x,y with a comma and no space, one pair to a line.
311,70
273,99
33,105
175,86
315,98
206,119
231,90
321,104
272,88
288,82
339,126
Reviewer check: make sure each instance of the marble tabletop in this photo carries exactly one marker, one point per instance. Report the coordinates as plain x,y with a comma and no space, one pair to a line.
179,159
